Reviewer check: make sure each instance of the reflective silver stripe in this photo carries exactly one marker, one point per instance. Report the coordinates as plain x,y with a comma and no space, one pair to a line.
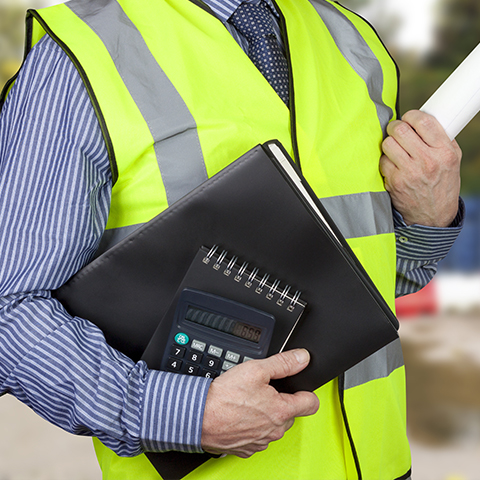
358,54
113,236
379,365
361,214
357,215
173,128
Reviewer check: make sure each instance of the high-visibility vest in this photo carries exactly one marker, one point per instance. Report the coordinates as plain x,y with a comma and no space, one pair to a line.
177,100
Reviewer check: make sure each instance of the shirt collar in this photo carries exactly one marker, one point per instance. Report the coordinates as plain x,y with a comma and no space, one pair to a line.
224,9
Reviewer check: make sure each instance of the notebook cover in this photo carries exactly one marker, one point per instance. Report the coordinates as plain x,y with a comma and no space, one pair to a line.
251,210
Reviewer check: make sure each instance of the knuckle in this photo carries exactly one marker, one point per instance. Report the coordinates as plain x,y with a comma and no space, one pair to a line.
430,168
278,434
408,116
283,414
283,363
262,448
280,418
396,183
394,127
388,143
255,369
400,129
427,122
244,454
452,159
414,116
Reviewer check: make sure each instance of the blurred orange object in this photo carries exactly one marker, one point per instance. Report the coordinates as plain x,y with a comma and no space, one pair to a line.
424,302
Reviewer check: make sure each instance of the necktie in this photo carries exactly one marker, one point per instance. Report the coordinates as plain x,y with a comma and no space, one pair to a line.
255,23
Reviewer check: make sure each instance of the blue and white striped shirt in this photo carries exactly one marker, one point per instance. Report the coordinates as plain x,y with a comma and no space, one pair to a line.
55,186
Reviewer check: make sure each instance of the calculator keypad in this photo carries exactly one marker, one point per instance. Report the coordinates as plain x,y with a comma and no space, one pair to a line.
200,359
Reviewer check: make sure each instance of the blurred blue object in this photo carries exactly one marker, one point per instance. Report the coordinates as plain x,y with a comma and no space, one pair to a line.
465,253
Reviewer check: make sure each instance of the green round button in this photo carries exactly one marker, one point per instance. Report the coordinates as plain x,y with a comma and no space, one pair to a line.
182,338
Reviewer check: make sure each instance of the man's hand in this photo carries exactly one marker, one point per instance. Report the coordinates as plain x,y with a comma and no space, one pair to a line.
243,413
421,167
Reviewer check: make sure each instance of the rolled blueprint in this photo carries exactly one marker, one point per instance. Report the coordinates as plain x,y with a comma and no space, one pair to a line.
457,100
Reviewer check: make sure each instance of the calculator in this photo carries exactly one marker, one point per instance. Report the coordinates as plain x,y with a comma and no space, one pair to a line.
211,334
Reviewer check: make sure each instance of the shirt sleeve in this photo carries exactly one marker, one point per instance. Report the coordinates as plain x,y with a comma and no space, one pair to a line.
55,187
420,248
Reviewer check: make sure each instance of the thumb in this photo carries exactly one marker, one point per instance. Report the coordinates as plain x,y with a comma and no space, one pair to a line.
286,364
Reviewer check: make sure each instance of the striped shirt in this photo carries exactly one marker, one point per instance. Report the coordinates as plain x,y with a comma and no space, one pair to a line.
55,187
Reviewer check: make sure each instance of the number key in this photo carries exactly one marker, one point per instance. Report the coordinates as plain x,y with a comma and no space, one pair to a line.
192,369
195,357
174,364
213,362
209,374
177,351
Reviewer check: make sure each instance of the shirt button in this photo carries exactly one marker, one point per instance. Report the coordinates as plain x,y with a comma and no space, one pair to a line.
403,239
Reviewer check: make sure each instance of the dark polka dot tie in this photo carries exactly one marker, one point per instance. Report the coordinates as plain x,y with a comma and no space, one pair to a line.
255,23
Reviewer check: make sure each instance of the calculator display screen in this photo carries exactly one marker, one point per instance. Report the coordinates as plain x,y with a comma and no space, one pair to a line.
224,324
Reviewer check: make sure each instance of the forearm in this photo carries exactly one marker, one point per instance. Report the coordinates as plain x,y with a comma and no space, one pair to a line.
63,369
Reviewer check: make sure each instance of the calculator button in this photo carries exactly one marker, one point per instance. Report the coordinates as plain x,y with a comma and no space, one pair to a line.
227,365
182,338
192,369
194,357
246,359
232,357
215,351
209,374
213,362
177,351
174,364
197,345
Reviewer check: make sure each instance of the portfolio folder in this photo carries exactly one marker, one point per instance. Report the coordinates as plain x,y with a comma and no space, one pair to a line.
262,210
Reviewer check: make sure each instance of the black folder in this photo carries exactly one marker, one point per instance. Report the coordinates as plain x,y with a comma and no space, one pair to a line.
261,209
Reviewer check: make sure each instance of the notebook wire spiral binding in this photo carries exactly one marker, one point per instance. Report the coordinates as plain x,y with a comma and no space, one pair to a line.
253,278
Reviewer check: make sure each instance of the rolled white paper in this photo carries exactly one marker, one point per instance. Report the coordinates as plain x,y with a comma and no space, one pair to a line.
457,100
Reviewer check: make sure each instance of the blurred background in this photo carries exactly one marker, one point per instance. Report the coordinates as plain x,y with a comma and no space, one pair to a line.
440,326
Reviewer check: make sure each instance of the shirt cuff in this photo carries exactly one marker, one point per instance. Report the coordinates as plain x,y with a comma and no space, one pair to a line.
172,413
420,242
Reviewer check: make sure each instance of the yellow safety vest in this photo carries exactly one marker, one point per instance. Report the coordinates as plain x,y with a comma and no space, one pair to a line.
177,100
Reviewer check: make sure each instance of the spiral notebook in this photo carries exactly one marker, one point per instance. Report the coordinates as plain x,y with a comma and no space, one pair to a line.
214,271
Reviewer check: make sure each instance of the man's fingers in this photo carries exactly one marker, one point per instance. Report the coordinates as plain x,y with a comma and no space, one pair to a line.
421,168
403,140
396,154
244,413
302,403
427,127
285,364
